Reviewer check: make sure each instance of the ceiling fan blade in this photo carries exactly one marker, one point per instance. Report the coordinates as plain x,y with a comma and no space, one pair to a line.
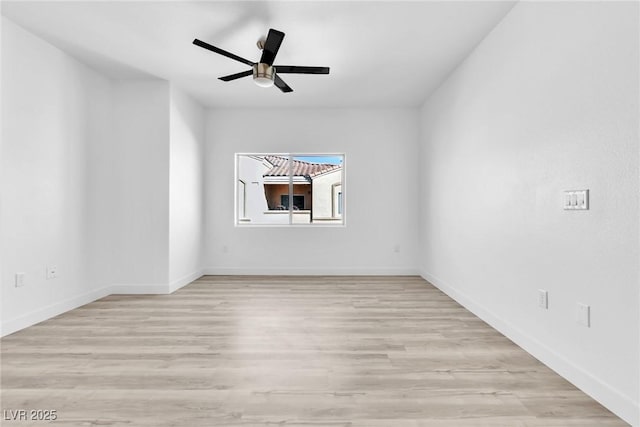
292,69
271,46
236,76
282,85
222,52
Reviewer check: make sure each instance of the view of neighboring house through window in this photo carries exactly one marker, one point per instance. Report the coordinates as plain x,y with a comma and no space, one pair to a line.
285,189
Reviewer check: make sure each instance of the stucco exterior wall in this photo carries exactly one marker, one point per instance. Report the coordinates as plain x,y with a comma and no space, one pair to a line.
325,196
251,203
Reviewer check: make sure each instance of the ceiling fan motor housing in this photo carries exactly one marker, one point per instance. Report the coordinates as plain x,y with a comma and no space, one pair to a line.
263,74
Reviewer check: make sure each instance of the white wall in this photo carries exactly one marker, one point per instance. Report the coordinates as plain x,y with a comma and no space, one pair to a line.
381,192
186,216
54,111
141,180
156,177
547,102
100,178
102,203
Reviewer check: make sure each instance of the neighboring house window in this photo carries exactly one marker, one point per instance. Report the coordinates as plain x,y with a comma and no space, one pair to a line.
298,202
289,189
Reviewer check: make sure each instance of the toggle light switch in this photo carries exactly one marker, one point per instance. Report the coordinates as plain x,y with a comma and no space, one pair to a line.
576,200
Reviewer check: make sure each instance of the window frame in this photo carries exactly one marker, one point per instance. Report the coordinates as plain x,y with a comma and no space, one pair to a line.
244,222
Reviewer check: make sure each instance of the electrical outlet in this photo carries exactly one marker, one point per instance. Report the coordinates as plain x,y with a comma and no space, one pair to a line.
584,315
52,272
19,280
543,299
396,248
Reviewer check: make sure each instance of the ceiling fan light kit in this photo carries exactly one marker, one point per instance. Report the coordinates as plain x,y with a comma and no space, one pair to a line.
265,74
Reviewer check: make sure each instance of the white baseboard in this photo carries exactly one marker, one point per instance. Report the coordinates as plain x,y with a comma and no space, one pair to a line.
304,271
183,281
616,402
140,289
45,313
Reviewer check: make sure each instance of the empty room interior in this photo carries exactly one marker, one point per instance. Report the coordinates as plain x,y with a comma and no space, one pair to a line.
320,213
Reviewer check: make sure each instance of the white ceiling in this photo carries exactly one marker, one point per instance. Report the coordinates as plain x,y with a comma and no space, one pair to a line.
381,53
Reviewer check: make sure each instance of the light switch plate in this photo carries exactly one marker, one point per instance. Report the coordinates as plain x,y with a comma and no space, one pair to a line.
576,200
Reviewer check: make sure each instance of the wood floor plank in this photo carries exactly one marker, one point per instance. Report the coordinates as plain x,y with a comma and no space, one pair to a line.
286,351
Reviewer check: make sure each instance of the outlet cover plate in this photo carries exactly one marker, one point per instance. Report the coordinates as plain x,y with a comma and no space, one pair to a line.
543,299
19,280
584,315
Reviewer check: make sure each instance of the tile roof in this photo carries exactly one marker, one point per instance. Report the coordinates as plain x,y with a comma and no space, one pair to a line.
300,168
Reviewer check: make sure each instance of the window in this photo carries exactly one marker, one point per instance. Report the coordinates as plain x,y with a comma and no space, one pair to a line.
298,202
289,189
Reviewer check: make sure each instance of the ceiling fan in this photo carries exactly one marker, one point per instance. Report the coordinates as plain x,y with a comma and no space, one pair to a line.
265,74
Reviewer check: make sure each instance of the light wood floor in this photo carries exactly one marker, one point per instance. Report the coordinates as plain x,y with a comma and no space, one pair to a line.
285,351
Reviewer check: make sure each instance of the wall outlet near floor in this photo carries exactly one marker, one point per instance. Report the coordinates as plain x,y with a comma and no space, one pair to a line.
52,272
584,315
19,280
543,299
